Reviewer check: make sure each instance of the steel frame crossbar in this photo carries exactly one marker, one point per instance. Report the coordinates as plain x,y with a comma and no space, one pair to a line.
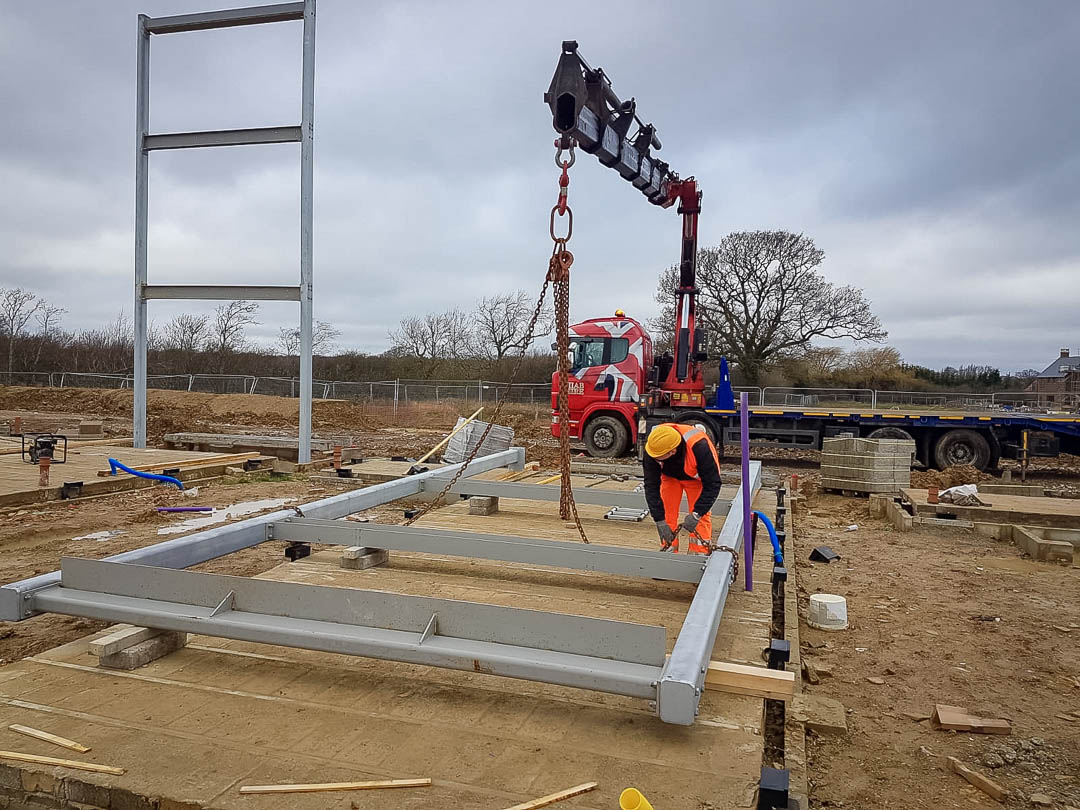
144,587
629,562
539,492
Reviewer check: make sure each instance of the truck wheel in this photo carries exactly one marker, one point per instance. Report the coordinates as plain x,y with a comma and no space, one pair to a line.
707,424
606,437
962,447
890,433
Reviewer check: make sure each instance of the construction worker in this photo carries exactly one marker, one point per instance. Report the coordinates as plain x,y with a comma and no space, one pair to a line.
681,459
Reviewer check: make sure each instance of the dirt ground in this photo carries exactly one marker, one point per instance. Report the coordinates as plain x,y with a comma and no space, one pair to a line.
937,615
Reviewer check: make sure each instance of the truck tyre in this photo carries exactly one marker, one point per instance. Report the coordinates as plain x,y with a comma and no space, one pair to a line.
707,424
606,437
962,447
890,433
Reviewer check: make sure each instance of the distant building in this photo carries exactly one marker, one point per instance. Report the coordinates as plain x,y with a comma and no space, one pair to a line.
1057,380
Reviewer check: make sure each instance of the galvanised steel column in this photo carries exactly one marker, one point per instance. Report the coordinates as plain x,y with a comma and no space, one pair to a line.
142,187
307,134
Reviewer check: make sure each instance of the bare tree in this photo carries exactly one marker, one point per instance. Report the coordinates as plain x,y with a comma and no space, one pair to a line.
48,318
187,333
762,298
500,323
17,307
435,337
323,335
230,321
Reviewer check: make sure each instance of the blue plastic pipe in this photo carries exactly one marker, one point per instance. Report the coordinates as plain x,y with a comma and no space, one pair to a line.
166,479
778,556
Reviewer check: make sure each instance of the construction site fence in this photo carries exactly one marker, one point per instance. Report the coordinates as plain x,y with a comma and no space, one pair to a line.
490,392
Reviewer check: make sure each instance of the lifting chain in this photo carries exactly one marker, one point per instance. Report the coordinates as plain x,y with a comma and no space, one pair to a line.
558,278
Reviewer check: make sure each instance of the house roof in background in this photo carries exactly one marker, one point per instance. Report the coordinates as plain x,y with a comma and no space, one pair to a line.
1054,369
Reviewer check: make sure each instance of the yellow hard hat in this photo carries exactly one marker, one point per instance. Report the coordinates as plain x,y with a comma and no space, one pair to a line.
662,440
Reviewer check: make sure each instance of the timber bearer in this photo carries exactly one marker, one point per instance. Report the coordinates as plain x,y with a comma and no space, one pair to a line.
681,459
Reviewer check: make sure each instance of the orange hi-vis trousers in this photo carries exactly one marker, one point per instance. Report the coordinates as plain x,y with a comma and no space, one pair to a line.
671,493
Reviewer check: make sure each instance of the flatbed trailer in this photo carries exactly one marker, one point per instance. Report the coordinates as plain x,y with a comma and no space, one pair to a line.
941,438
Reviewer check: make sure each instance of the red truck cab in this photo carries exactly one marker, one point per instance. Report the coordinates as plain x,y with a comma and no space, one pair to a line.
610,360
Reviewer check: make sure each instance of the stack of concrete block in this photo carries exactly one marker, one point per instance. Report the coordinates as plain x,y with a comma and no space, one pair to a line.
462,444
866,465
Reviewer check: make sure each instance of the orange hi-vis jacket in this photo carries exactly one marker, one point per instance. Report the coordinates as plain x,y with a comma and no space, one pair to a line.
680,475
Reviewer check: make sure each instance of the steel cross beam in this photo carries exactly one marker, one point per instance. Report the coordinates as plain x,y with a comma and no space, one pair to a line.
16,599
629,562
679,692
599,654
540,492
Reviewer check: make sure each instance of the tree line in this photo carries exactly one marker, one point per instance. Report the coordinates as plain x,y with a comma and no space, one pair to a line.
762,299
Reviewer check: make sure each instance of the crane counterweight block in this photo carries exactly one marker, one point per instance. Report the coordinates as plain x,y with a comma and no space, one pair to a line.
585,107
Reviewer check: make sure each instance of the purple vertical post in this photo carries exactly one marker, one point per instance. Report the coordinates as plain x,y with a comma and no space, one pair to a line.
747,496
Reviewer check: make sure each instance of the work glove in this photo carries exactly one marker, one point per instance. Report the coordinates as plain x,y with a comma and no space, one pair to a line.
690,522
667,536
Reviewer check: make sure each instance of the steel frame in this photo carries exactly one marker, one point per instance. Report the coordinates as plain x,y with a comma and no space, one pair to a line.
147,142
144,587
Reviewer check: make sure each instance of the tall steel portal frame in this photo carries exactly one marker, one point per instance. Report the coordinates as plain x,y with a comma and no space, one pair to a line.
147,142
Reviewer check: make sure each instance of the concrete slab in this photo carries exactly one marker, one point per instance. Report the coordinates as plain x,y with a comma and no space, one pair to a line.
194,726
1018,509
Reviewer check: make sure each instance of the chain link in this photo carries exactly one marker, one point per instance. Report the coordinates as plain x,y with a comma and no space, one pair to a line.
734,559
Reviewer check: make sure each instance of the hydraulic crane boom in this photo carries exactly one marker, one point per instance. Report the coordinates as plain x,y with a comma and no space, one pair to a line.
586,110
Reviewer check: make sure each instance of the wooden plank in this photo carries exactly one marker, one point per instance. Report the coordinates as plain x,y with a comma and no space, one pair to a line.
316,788
62,763
551,798
120,639
63,742
987,786
225,458
956,718
740,679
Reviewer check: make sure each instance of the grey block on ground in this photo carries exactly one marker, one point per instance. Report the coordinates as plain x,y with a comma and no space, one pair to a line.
483,505
144,652
358,558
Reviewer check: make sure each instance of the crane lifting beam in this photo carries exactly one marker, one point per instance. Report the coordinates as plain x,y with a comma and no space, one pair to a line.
585,108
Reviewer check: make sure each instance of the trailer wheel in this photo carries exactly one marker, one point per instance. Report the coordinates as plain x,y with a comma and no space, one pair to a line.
606,437
962,447
890,433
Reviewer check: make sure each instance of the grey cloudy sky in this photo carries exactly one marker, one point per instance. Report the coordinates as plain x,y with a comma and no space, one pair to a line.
930,148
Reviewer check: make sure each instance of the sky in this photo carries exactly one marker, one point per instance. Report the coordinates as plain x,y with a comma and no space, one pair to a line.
930,149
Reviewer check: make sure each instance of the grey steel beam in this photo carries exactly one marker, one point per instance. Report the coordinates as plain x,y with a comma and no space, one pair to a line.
542,492
229,18
307,182
598,654
142,201
629,562
183,552
221,137
681,684
220,292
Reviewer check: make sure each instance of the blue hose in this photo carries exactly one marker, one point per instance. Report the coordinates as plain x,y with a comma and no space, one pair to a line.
167,479
778,556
